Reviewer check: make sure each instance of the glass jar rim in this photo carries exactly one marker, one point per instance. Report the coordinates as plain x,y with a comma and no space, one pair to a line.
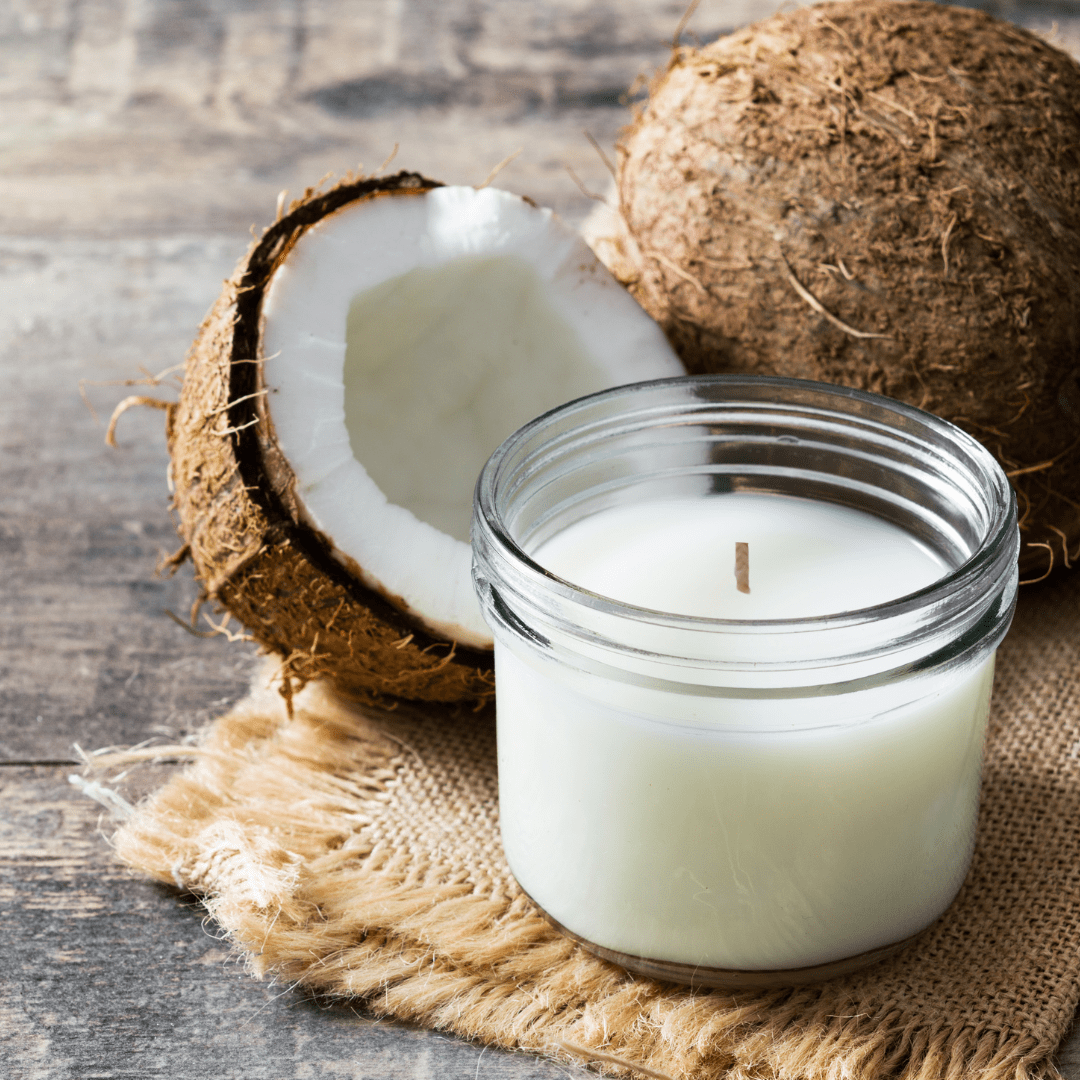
851,447
489,516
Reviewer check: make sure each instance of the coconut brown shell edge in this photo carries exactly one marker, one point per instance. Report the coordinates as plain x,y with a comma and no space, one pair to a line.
253,552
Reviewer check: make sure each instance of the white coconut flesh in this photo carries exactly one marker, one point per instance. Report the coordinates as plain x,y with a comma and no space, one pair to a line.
404,338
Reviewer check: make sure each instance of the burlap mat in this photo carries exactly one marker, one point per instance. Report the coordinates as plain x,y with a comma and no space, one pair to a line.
360,856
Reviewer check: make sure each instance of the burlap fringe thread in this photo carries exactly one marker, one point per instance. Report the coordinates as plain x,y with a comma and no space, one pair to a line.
358,856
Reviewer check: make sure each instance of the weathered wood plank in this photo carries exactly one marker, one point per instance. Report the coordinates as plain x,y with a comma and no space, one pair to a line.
107,976
170,117
86,651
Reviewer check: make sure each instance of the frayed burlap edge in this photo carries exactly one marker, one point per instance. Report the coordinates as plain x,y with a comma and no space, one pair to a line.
275,826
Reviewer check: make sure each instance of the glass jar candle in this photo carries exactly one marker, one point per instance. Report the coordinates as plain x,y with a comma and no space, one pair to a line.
744,638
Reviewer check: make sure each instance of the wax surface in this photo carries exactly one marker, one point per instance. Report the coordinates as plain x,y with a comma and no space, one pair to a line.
764,831
806,558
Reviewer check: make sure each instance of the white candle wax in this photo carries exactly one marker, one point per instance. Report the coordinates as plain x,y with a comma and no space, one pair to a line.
806,558
738,831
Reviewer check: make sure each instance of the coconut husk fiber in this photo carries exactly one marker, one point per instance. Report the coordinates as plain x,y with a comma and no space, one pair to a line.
884,195
254,551
358,855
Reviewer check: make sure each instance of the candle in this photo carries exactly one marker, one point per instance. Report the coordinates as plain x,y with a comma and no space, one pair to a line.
742,787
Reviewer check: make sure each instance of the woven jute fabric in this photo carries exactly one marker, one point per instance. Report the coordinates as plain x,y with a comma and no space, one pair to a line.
359,855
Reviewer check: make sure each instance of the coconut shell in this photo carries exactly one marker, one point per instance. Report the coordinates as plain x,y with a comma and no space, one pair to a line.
883,195
253,551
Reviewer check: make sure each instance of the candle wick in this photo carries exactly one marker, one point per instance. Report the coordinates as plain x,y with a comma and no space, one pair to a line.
742,567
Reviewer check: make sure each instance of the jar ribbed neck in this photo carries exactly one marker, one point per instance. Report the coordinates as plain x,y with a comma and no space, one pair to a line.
748,433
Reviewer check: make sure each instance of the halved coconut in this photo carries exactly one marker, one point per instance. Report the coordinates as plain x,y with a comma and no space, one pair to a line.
369,353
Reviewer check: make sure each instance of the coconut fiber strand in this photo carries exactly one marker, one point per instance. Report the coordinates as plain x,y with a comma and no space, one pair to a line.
359,856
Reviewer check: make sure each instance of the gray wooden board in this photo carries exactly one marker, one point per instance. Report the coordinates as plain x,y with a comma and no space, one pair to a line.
109,976
139,142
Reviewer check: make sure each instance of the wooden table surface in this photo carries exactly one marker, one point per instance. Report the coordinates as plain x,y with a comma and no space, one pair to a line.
140,140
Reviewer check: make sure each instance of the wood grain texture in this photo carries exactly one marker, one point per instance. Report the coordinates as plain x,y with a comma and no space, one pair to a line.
108,976
87,652
139,141
171,116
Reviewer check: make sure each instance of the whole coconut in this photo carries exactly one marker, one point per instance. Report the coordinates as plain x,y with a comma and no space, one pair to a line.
884,195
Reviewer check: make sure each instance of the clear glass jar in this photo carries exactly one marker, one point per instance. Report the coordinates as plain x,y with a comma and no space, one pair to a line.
749,802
